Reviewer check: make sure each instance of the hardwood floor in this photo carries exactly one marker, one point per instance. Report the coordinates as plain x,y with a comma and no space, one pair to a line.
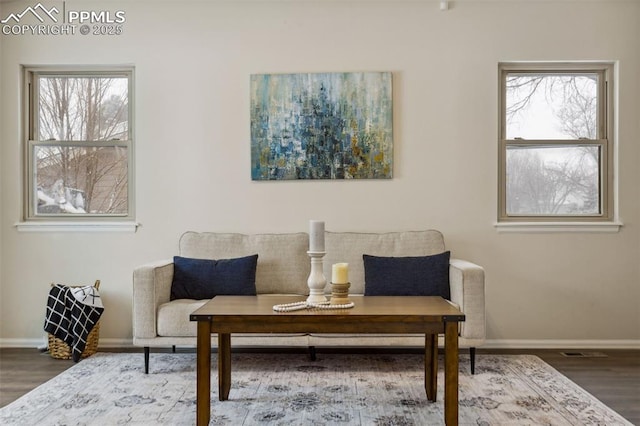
614,378
22,369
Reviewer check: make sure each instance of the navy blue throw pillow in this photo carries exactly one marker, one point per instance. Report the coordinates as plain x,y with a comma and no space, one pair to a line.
204,278
407,276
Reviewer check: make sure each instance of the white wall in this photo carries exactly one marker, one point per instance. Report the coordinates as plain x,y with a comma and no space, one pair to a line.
193,60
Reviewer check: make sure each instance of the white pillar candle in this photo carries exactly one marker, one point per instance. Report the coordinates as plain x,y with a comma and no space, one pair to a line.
316,235
340,273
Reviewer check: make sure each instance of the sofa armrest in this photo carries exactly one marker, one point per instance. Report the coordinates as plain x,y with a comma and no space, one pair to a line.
151,288
467,291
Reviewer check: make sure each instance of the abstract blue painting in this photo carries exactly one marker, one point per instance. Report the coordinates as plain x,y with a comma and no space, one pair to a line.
321,126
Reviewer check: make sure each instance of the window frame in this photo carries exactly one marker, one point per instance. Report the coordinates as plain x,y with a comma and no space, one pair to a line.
31,142
604,140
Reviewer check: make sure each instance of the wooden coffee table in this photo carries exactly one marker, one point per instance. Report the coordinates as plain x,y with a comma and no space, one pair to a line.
372,314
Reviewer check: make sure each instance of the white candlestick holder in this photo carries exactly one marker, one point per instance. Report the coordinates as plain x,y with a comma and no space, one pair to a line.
317,281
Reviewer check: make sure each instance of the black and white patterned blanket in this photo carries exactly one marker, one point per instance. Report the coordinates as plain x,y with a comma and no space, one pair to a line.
72,312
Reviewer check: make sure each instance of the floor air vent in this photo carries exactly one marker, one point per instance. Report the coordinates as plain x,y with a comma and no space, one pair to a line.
584,354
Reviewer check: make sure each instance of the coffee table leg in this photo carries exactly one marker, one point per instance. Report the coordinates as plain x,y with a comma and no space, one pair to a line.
431,366
203,373
224,366
451,373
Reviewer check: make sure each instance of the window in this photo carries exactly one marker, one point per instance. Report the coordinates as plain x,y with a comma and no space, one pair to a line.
79,144
556,145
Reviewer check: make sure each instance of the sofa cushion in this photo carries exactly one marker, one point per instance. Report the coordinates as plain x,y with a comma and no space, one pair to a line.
173,318
407,276
283,263
173,321
205,278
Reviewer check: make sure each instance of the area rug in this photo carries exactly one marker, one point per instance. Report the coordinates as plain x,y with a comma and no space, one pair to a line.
289,389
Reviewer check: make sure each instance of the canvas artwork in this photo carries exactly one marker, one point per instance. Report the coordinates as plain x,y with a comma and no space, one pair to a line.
321,126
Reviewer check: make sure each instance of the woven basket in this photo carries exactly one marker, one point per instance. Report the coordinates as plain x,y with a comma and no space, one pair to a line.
58,349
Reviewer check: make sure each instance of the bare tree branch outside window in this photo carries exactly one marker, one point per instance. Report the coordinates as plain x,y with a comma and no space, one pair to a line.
81,168
552,178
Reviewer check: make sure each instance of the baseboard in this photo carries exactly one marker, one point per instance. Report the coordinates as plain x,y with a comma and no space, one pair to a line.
489,344
24,343
561,344
42,343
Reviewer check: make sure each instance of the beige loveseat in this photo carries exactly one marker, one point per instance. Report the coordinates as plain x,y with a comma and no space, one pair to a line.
283,267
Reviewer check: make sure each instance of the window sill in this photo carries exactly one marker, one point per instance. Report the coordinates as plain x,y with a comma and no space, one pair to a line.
547,227
54,226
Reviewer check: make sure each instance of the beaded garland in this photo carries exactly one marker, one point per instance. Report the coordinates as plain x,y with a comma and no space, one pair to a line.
296,306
